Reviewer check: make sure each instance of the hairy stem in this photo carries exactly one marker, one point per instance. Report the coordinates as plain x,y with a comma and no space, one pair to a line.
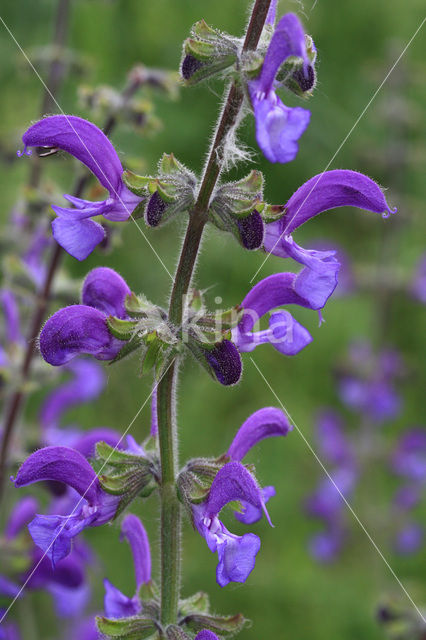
166,402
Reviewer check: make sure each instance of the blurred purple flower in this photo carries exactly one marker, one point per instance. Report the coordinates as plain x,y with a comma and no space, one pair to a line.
87,383
409,539
11,316
116,604
418,286
73,229
409,458
66,583
278,128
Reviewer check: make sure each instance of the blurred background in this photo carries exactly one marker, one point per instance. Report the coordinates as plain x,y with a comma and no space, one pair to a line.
289,594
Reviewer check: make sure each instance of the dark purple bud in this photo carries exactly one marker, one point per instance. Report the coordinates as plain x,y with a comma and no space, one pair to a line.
305,78
251,230
106,290
225,361
189,66
155,210
77,330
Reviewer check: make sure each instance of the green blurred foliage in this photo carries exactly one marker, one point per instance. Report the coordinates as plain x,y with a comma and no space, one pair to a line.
288,595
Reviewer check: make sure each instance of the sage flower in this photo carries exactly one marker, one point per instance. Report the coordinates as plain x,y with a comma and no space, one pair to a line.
265,423
82,328
237,554
284,333
329,190
278,128
74,229
54,533
116,604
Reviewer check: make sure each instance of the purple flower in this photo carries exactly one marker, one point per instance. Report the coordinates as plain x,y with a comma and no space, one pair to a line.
237,554
34,256
284,333
11,316
326,545
116,604
328,190
206,634
409,539
278,128
265,423
409,459
54,533
375,398
66,583
82,328
327,501
418,287
333,444
73,229
86,384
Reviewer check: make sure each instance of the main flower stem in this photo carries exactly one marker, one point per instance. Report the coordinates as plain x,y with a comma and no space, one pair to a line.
166,393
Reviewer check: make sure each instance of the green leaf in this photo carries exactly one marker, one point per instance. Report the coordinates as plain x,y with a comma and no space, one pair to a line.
202,30
170,164
115,456
137,184
134,628
200,49
176,633
273,212
199,602
252,183
224,626
129,347
121,329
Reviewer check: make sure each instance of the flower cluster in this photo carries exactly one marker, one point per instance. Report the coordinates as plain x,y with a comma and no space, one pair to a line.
93,476
366,385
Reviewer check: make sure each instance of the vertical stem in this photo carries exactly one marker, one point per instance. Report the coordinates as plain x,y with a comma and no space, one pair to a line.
56,75
166,396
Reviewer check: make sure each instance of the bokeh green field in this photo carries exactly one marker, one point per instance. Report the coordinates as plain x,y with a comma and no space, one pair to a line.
288,595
